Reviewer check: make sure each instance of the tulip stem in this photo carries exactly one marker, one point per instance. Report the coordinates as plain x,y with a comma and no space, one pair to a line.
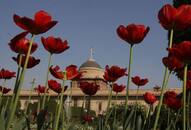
60,104
16,81
4,84
18,73
184,96
82,107
172,124
29,99
171,38
115,110
168,120
6,104
164,85
177,118
63,118
20,84
69,95
46,82
38,104
136,106
137,96
147,115
188,111
129,77
89,104
1,93
108,104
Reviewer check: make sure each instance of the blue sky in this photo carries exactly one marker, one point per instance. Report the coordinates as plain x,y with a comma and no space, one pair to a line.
91,24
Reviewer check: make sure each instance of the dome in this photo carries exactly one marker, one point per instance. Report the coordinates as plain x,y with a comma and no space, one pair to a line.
90,63
92,70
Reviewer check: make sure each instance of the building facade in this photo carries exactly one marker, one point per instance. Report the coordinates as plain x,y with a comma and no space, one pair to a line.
93,73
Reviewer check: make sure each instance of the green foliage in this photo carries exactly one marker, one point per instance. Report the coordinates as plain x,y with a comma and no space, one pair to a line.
2,118
133,120
135,117
177,3
51,106
19,123
169,119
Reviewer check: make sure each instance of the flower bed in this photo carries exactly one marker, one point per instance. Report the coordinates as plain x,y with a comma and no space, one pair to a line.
172,111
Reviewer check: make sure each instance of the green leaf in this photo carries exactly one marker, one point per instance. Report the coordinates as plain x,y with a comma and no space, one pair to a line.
2,123
41,118
129,119
19,124
51,105
139,122
74,126
100,124
2,120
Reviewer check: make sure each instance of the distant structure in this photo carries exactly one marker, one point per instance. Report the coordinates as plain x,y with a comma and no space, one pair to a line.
93,73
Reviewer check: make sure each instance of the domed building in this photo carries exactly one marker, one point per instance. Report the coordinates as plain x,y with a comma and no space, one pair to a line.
93,72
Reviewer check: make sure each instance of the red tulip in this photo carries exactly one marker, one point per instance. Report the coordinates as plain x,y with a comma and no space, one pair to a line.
171,100
173,103
6,74
55,86
42,22
188,85
31,63
149,98
19,36
138,81
54,45
180,74
133,34
20,44
166,16
172,63
182,51
41,89
72,73
170,94
183,18
87,118
4,90
172,18
188,74
118,88
89,88
56,73
114,73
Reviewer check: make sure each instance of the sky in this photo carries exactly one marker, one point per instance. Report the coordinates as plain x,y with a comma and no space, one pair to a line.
90,24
